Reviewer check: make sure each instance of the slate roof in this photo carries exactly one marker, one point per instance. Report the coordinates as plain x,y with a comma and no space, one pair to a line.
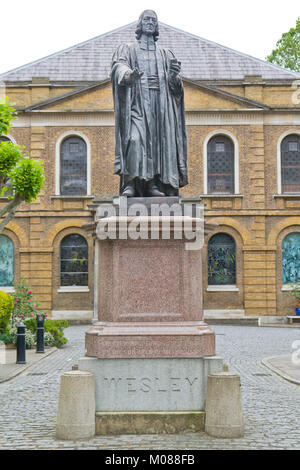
202,60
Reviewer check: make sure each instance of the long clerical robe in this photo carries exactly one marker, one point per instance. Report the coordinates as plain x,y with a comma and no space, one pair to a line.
149,117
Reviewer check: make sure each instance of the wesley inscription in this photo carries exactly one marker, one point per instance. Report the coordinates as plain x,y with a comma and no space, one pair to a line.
151,384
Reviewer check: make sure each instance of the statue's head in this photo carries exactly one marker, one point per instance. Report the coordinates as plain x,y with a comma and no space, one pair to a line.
147,24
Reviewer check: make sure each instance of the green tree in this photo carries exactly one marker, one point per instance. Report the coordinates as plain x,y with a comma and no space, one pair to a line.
21,177
287,52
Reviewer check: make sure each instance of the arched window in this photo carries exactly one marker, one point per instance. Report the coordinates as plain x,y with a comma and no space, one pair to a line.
73,167
3,138
6,261
221,260
291,258
74,261
290,164
220,165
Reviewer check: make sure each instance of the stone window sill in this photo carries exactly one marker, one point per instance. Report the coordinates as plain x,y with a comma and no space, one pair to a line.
221,196
7,289
288,287
73,289
222,289
286,196
72,197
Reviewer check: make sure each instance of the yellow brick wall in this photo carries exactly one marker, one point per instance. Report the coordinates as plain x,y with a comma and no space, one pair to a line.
257,221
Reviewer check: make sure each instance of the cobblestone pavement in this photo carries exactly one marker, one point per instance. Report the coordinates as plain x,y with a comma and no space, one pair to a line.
28,403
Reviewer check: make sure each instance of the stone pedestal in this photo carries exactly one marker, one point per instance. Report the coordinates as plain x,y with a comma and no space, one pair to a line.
149,349
76,408
147,396
224,410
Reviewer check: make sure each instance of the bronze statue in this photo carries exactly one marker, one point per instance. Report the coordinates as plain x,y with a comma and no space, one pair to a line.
151,149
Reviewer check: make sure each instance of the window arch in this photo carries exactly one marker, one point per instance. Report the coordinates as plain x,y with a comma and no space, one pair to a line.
73,166
74,261
221,260
290,164
291,258
4,138
220,165
6,261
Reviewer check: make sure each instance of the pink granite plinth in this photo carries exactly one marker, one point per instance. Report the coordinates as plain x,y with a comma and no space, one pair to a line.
150,340
148,293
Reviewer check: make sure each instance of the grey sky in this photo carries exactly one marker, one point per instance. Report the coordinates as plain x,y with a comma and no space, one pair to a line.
35,28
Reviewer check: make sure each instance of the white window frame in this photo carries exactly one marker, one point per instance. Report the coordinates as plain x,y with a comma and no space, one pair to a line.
57,160
236,160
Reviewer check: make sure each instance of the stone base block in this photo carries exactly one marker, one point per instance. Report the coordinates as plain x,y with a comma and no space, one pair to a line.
76,407
141,422
110,340
150,385
224,409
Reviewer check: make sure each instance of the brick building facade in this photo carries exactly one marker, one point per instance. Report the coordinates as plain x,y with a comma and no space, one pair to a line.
243,128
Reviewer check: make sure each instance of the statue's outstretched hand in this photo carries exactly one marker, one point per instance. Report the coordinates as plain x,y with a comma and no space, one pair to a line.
132,76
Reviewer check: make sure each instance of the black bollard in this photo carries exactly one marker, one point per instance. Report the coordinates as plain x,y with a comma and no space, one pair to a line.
40,334
21,344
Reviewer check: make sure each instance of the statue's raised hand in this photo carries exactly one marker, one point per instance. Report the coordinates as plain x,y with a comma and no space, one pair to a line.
132,76
175,67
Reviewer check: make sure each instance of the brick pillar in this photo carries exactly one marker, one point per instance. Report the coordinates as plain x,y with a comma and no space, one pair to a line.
260,280
257,160
36,268
37,149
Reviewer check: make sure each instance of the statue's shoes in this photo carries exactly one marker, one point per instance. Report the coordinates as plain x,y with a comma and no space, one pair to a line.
155,192
129,191
173,192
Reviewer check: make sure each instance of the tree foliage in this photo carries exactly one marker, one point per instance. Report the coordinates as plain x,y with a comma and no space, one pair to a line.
21,177
287,52
7,114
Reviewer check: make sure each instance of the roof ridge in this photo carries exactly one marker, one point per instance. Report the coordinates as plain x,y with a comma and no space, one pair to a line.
67,49
278,67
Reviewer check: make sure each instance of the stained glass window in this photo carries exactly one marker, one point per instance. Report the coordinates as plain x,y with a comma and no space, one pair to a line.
74,261
290,164
221,260
6,261
220,165
73,167
291,258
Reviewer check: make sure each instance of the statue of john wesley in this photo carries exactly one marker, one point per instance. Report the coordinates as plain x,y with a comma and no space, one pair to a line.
151,149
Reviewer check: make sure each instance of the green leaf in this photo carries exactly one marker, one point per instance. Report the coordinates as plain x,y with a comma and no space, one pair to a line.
287,51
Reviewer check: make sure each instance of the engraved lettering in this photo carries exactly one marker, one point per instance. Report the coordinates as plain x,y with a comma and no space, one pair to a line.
175,386
113,381
145,387
191,382
158,389
130,382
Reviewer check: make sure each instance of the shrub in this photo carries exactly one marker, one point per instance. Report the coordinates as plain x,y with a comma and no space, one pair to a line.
29,337
295,292
56,327
52,327
6,338
25,305
48,339
6,307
